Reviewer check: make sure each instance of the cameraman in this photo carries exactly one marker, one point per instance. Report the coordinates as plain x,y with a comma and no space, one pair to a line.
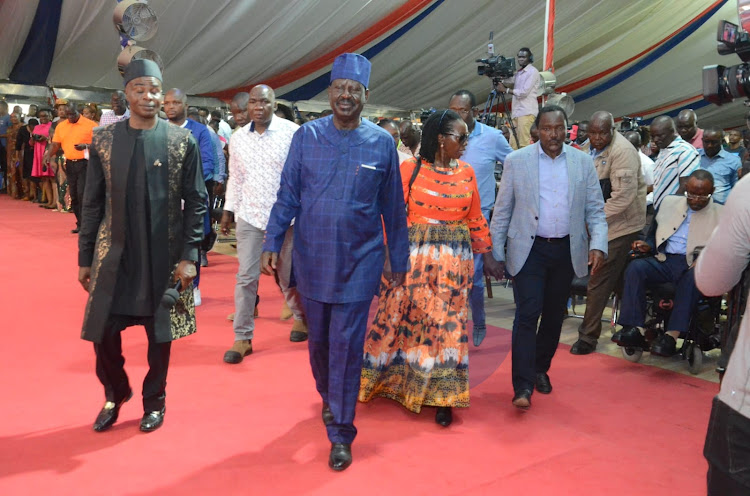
719,268
525,92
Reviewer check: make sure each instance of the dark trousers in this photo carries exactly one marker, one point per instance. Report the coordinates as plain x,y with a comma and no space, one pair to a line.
110,363
541,288
727,450
647,272
476,295
602,284
76,172
336,339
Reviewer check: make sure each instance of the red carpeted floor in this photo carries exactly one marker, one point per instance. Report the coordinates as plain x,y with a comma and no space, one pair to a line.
609,427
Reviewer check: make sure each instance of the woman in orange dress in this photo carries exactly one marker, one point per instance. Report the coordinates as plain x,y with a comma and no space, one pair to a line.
417,350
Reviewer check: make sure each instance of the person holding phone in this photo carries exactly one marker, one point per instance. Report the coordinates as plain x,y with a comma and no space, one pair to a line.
74,136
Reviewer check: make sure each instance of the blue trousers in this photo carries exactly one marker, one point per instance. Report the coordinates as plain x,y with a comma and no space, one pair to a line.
646,272
476,296
541,288
336,339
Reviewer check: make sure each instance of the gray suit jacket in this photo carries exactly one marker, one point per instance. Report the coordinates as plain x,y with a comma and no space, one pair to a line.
516,215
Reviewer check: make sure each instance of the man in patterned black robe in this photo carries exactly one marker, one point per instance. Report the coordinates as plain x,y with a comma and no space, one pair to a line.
137,240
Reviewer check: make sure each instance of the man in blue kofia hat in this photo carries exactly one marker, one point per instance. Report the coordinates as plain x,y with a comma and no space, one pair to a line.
340,179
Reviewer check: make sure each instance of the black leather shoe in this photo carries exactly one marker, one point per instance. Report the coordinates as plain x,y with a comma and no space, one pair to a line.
632,337
665,345
108,415
444,416
327,414
340,457
152,420
522,399
74,231
543,385
582,348
616,336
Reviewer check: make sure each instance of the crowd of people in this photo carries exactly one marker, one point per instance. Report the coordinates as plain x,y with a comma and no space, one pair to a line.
340,209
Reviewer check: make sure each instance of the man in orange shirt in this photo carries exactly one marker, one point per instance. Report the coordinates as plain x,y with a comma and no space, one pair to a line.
74,136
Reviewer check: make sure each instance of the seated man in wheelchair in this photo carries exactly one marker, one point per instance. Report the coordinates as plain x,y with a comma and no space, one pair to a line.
679,231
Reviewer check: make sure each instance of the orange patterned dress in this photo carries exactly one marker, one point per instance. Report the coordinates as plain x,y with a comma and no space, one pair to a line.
417,350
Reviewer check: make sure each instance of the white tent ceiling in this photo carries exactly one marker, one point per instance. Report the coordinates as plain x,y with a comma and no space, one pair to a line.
210,46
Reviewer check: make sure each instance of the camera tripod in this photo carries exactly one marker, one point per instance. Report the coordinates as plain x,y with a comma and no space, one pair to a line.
492,100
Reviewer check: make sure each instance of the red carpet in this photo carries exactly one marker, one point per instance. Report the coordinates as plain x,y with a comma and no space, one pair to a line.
609,428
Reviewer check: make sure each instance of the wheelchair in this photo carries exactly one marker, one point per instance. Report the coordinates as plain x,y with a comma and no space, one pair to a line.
704,332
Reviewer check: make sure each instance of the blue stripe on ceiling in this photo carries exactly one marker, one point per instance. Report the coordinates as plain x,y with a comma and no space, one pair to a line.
320,83
650,58
35,60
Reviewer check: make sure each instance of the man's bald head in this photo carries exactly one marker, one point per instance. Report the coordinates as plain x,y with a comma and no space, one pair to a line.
175,101
635,139
663,131
238,108
261,105
178,94
601,130
687,124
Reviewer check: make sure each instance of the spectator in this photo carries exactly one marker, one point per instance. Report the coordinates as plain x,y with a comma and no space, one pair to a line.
25,156
224,130
734,145
41,170
681,227
410,138
722,165
238,108
624,190
676,161
119,111
688,129
393,130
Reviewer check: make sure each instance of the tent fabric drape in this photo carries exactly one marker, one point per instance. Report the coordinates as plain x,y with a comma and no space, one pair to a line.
625,57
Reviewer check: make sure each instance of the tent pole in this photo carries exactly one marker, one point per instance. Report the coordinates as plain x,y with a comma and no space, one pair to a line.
549,36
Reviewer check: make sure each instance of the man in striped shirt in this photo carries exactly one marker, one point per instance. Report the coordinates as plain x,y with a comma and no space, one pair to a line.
676,161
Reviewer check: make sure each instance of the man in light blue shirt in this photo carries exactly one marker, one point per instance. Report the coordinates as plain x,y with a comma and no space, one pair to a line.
722,164
485,148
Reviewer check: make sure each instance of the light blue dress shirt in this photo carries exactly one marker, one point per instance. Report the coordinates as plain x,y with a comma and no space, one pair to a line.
723,166
554,210
677,243
486,146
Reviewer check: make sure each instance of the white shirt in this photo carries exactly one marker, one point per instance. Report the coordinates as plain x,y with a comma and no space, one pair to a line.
647,169
256,161
225,131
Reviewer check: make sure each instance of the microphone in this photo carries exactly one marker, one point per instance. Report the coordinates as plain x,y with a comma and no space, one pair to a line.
171,295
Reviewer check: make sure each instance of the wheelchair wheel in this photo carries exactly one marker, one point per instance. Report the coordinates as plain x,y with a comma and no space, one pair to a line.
632,354
694,356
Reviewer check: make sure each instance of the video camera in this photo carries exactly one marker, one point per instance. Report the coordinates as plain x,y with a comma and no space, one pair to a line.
723,84
494,66
630,123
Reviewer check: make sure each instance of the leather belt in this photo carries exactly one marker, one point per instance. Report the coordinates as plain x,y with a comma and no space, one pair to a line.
552,240
77,160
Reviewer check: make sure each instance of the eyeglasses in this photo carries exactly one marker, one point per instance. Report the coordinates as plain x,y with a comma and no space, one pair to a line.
461,138
690,196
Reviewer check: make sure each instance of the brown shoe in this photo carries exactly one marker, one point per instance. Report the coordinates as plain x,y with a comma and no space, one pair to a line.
286,312
299,332
238,351
230,316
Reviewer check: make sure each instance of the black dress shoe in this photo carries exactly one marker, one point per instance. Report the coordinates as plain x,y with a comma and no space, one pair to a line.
327,414
152,420
543,385
582,348
74,231
444,416
108,415
665,345
522,399
340,457
632,338
616,336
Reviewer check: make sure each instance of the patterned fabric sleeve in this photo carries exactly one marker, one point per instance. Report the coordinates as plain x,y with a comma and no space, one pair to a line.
480,233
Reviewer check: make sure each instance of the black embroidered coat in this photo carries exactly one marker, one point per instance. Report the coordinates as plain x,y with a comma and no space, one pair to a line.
173,174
